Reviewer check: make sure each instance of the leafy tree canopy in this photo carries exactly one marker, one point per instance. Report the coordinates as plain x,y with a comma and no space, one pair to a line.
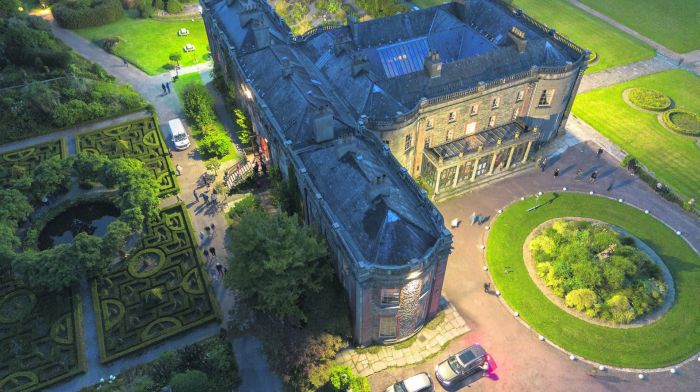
275,261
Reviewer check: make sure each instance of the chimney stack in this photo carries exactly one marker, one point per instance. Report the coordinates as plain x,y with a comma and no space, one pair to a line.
518,37
360,63
249,12
433,64
352,24
323,124
286,67
261,33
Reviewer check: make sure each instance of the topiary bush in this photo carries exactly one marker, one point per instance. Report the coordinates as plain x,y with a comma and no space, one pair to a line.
77,14
189,381
649,99
597,271
682,121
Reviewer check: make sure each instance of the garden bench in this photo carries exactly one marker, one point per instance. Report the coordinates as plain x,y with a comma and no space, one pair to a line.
183,32
188,48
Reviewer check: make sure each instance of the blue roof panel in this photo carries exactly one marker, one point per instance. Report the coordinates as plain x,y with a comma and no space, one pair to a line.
403,57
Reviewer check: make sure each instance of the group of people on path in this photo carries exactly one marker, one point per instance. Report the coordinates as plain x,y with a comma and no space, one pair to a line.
166,87
542,163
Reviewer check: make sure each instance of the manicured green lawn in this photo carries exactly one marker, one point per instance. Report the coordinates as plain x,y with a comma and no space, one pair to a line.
148,42
613,47
674,24
427,3
667,341
674,159
195,78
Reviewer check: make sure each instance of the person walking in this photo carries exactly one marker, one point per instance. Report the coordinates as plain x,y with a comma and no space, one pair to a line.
201,235
543,164
165,91
556,172
578,174
126,63
487,287
600,152
212,250
206,254
205,197
196,197
178,169
219,269
214,197
594,176
611,185
167,86
178,198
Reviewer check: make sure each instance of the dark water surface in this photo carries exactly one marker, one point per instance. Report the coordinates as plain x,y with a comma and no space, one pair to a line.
90,217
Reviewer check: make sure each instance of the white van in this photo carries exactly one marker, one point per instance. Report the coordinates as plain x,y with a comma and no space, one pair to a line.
178,134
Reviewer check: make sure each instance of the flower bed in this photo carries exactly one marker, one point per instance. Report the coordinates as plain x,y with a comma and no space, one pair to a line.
597,270
649,99
682,121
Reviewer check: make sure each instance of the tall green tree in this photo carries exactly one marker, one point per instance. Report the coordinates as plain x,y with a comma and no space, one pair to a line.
274,262
14,206
243,127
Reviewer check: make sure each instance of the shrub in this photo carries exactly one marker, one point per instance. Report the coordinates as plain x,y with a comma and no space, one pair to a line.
145,8
173,6
248,203
342,379
620,309
581,299
76,14
190,381
649,99
199,105
682,121
215,145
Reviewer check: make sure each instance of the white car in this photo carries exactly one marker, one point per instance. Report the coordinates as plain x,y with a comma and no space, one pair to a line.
419,383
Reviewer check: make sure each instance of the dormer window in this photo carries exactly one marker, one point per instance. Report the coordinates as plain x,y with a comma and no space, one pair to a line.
429,123
452,117
492,121
448,135
495,103
520,96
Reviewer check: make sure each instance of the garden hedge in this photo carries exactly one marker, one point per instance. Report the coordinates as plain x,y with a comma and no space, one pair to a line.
78,14
649,99
682,121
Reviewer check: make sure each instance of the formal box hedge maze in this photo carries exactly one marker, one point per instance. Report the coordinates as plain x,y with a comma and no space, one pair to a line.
161,289
139,139
14,164
40,337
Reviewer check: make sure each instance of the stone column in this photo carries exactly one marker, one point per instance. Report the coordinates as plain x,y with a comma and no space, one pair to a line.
454,182
510,155
527,151
495,153
437,181
476,164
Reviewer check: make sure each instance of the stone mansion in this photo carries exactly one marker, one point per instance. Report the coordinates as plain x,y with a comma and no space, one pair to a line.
451,95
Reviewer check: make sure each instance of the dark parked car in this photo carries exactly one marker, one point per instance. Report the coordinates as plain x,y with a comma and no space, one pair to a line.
461,365
419,383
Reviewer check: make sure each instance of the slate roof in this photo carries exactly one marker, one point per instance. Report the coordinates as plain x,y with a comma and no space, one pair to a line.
387,222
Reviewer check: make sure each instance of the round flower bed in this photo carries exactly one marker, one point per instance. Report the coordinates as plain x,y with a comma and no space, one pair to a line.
682,121
593,57
651,345
597,270
648,99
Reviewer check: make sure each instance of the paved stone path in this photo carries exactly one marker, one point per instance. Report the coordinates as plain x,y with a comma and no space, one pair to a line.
428,343
69,134
624,73
523,363
168,107
690,60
